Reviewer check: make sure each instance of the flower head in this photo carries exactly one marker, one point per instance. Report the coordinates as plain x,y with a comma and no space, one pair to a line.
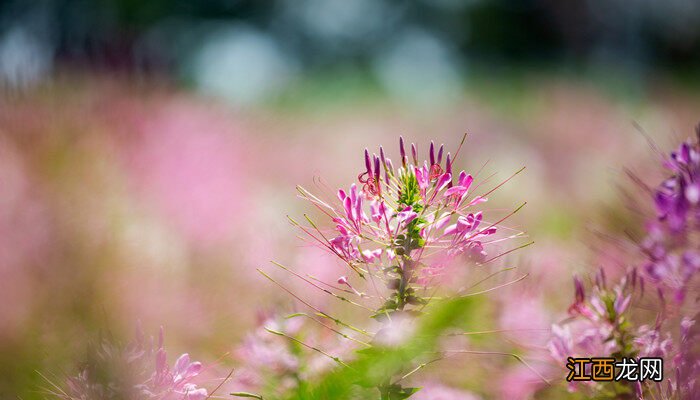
399,230
406,224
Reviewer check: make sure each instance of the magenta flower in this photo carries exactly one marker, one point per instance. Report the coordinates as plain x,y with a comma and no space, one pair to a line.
345,245
466,238
354,214
406,216
672,244
371,256
459,191
176,383
606,323
598,323
399,230
403,212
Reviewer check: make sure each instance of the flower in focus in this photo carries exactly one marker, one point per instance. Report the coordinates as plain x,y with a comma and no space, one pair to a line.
399,230
405,225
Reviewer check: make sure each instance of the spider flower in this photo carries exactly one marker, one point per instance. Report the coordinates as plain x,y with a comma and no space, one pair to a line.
405,225
400,230
673,239
673,260
598,323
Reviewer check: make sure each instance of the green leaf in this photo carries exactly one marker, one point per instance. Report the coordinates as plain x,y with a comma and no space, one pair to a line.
376,366
400,393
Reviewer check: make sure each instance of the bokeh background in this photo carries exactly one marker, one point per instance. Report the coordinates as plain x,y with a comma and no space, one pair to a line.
149,150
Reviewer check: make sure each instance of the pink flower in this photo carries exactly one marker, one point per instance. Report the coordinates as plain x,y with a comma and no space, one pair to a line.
419,227
561,344
136,381
378,211
652,343
406,216
423,178
372,255
411,220
345,246
174,384
354,215
465,236
459,191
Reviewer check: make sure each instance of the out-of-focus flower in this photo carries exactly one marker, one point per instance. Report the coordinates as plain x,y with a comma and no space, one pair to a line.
273,363
261,350
175,383
187,163
518,383
138,371
25,230
687,360
651,343
397,331
672,244
598,325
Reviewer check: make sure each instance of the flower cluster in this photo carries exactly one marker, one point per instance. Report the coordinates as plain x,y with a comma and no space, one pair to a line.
599,323
138,371
400,230
406,225
673,241
672,248
276,365
604,325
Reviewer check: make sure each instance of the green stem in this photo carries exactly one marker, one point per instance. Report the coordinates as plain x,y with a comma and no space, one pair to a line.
402,290
384,391
384,394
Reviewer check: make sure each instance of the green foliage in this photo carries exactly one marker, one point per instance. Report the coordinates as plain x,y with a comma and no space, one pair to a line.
396,392
410,192
377,366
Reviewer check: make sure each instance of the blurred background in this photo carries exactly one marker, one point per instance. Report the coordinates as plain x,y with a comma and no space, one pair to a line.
149,150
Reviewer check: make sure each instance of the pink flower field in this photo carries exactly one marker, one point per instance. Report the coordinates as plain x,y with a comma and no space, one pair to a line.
318,200
343,254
